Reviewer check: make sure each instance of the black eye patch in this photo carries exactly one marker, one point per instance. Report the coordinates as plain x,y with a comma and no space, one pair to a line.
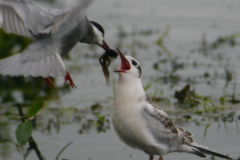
134,63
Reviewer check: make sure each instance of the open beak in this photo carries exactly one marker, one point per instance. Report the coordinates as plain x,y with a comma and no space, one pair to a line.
125,65
104,46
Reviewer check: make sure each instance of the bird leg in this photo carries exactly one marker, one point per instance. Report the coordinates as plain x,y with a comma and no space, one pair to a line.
151,157
68,78
49,82
160,158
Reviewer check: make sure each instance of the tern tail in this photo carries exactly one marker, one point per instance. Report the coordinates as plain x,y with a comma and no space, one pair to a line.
206,151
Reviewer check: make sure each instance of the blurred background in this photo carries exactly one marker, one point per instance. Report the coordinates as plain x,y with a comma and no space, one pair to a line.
189,53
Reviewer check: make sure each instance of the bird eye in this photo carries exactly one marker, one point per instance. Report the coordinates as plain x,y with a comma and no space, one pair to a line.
134,62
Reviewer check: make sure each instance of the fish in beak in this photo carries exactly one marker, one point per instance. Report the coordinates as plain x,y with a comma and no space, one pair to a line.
105,60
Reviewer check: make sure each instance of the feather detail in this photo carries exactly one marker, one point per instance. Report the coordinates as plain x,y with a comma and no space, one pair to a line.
48,66
13,23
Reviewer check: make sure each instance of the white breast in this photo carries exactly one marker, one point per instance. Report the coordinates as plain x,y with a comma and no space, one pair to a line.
129,124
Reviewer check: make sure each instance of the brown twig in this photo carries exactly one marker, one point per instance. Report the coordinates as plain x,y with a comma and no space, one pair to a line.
63,150
31,141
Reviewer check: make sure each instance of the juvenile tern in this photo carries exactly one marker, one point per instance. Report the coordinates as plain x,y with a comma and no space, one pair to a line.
143,125
54,32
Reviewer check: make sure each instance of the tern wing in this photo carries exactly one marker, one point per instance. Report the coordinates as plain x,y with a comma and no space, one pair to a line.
69,19
164,131
24,18
39,59
161,126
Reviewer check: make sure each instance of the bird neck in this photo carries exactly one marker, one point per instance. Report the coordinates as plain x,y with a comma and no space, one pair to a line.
130,89
98,36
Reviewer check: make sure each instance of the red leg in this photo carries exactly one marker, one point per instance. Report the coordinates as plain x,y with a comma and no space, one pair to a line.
49,82
151,157
160,158
68,78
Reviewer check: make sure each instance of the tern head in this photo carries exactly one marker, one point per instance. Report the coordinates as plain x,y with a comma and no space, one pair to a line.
130,67
99,33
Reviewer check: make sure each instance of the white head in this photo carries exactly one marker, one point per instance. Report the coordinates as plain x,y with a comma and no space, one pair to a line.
130,68
99,35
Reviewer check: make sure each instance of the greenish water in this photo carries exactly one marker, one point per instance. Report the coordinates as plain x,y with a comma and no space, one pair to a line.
191,53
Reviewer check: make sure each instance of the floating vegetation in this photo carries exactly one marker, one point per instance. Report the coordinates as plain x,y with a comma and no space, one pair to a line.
103,124
186,98
122,33
164,34
206,128
206,48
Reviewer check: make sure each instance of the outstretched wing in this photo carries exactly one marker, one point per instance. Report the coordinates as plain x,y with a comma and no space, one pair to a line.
25,18
39,59
72,16
42,57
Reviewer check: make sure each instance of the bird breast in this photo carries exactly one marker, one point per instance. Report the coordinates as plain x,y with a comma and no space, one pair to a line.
128,122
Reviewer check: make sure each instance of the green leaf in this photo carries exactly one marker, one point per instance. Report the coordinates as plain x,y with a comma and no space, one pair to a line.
34,109
223,100
24,132
101,118
165,33
206,128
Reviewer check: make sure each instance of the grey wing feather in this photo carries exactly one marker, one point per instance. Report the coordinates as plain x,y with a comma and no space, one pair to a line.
40,49
161,126
23,17
162,129
69,19
12,22
50,64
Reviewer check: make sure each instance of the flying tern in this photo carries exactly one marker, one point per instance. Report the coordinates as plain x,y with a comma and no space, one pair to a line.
54,32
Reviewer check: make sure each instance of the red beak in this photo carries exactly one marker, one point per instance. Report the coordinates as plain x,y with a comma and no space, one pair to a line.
104,46
125,65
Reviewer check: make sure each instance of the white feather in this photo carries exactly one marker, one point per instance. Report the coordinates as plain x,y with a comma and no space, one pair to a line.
49,66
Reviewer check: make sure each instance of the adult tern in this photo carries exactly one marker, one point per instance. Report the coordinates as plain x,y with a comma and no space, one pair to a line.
54,32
